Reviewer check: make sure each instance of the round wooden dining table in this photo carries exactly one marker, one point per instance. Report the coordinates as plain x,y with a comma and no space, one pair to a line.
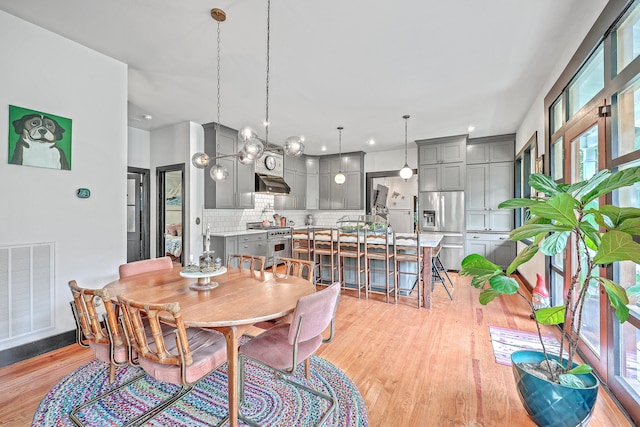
240,300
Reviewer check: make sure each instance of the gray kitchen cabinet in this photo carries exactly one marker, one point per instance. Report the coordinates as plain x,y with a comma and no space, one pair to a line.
341,196
251,244
491,149
238,190
489,184
313,183
442,164
497,248
295,175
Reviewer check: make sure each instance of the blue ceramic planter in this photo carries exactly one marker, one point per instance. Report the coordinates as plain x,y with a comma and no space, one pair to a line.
550,404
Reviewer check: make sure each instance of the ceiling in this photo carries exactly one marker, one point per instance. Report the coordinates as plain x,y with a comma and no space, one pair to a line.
359,64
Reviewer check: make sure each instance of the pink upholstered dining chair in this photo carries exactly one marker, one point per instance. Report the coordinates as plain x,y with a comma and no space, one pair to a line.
282,347
182,356
101,332
144,266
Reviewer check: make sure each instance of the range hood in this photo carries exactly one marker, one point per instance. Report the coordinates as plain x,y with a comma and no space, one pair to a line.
271,184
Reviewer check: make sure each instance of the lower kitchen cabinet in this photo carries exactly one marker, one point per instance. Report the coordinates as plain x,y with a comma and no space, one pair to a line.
251,244
497,248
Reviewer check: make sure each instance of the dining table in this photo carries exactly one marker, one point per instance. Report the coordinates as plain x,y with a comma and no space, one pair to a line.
240,300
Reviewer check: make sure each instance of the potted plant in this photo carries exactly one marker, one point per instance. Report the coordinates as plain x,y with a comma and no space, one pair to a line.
562,214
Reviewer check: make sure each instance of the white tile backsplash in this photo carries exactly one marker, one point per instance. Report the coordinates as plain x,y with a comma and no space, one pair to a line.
224,220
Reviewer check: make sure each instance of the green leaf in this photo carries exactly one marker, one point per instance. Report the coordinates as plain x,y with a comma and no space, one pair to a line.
517,203
555,243
617,298
531,230
569,380
629,226
477,265
504,284
592,235
478,282
617,246
544,183
617,214
617,180
559,208
525,255
580,369
488,295
579,189
551,315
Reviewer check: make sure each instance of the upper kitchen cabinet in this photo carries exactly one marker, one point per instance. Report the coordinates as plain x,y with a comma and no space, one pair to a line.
295,175
490,149
238,190
442,163
341,196
489,183
313,182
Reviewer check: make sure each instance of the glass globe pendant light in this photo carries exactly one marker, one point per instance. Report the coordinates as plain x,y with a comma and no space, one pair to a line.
406,172
294,146
340,178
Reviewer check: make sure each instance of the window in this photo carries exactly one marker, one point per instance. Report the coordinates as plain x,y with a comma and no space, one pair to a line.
556,115
627,40
524,167
557,159
587,83
628,123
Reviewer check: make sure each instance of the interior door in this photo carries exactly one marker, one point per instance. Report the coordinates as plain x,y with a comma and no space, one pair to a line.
137,214
585,157
171,212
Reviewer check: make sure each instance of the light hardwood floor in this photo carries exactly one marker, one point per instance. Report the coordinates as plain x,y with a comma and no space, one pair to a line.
413,367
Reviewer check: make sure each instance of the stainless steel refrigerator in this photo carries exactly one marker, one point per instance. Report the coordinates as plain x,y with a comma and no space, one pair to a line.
442,212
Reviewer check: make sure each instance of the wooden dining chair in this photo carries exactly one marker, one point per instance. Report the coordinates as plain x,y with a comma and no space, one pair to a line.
102,332
253,263
145,266
283,269
294,267
284,346
302,244
183,356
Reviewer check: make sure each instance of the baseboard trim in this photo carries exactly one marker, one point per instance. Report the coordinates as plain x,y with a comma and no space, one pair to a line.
36,348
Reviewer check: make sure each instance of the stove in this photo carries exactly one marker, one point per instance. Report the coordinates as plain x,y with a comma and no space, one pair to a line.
278,241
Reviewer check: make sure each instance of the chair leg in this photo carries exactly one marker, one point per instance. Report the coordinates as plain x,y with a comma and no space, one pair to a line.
307,368
443,269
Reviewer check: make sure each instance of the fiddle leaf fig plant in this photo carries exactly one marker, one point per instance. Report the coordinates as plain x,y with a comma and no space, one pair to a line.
561,215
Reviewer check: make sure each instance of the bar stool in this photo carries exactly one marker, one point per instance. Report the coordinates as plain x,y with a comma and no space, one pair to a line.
351,255
436,268
302,244
325,249
380,248
409,254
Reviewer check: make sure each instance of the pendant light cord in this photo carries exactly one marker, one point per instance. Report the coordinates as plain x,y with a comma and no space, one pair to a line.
268,47
405,140
218,94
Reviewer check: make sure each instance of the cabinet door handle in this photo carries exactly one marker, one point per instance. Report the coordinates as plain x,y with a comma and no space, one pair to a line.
476,237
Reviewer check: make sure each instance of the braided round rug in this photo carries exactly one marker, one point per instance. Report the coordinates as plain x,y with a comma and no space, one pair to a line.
268,400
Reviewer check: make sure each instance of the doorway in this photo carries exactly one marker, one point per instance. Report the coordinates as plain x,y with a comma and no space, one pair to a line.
137,214
400,206
170,212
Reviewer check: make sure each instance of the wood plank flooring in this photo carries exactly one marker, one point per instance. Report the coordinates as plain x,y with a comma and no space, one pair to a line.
413,367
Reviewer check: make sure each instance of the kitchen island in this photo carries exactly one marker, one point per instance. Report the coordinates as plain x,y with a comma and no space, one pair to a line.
428,243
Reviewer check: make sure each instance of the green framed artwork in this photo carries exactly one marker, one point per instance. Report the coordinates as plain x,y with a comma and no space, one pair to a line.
39,139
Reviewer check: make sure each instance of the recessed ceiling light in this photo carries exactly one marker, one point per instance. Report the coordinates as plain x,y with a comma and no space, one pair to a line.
147,116
302,138
471,128
372,141
323,148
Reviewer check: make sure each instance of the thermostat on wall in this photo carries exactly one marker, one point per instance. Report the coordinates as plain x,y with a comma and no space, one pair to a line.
83,193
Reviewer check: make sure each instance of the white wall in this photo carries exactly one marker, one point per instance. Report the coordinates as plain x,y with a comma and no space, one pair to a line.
175,145
40,205
138,148
534,119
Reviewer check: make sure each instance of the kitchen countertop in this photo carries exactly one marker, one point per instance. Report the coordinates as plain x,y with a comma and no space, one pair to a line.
235,233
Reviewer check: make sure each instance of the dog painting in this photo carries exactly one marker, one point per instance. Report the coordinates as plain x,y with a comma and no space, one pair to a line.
39,139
